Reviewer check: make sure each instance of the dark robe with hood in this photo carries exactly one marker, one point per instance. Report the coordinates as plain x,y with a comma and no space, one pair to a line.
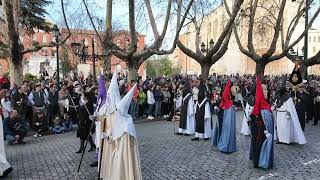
184,109
200,112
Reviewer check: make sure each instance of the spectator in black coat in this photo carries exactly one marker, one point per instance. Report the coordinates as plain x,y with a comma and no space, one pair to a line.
17,126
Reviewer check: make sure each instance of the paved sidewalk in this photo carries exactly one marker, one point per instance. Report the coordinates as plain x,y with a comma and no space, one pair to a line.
166,156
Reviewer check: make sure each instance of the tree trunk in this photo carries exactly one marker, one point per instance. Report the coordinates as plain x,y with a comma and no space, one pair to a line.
132,72
205,68
16,72
107,63
304,71
260,70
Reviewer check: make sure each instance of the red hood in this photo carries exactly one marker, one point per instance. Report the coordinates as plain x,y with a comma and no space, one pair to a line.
226,102
260,101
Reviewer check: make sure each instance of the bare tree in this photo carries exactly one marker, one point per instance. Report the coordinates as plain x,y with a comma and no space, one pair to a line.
206,60
265,18
131,55
12,47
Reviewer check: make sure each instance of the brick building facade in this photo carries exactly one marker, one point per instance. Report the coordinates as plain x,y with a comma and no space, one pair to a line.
46,57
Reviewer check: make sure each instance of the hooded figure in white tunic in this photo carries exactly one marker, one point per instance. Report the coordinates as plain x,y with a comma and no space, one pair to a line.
287,127
124,159
5,167
107,119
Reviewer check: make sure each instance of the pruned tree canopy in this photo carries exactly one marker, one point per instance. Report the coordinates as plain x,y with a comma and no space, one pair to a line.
212,54
265,18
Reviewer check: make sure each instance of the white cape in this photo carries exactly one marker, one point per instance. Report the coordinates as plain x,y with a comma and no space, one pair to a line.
4,165
245,130
287,126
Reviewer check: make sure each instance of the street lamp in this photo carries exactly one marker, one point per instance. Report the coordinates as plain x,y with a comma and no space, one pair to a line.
56,32
298,56
209,46
80,49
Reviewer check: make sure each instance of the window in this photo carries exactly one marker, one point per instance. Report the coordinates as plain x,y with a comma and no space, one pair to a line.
209,29
310,39
44,38
215,26
314,39
53,52
318,39
44,52
314,49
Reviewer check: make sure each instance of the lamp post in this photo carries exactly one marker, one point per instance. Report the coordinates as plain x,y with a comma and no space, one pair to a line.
298,56
80,50
305,26
56,33
210,46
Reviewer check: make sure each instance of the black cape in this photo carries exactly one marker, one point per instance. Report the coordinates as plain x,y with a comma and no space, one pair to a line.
200,114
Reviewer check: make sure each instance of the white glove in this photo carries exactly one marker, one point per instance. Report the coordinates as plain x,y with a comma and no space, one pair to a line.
92,117
105,136
267,133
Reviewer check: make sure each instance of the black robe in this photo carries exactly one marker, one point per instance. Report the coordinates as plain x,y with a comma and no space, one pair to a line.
84,121
300,107
74,106
200,114
258,137
184,111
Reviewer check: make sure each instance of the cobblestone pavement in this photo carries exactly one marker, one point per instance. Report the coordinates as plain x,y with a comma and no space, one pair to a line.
167,156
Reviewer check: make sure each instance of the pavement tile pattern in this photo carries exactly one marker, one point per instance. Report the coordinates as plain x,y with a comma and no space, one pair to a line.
165,156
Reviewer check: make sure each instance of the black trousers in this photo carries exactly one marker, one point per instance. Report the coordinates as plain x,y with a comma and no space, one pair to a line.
257,139
141,109
316,112
90,141
310,113
302,118
165,108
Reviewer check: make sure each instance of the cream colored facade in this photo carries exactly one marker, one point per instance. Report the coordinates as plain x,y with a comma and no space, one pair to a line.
313,49
234,61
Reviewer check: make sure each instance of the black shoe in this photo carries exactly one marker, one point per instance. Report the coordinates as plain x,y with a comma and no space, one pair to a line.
177,133
78,152
195,139
187,134
206,139
94,164
22,142
7,172
92,149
